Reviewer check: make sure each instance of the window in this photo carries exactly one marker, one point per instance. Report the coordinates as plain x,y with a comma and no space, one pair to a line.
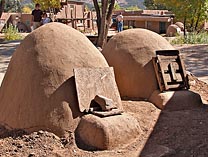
71,6
162,27
149,24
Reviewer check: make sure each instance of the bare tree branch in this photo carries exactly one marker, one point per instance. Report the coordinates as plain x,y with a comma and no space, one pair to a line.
97,9
2,3
103,19
110,10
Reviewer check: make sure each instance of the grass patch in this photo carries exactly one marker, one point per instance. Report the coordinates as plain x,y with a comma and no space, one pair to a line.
192,38
11,33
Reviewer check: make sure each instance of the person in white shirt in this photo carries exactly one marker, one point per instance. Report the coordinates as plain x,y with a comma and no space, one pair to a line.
119,19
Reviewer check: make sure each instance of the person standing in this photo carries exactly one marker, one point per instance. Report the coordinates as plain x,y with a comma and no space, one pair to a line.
119,19
36,16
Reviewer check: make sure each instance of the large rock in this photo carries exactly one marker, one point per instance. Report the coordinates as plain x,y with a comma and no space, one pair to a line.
176,100
38,91
130,53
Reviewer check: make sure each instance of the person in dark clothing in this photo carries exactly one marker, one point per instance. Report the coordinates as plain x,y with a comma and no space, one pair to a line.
37,16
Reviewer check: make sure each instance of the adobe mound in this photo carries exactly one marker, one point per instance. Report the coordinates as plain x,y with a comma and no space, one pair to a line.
180,25
38,91
130,53
173,30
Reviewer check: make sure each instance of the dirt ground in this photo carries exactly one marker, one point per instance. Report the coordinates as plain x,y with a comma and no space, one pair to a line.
180,133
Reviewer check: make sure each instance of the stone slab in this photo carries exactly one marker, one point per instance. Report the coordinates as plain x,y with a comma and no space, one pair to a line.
95,81
113,112
105,103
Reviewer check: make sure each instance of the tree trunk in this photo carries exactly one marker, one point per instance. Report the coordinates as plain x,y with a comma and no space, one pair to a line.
192,21
198,17
199,13
101,37
2,3
97,9
103,21
184,31
197,21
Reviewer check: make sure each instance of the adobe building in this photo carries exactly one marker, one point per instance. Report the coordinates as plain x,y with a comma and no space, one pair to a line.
154,20
74,14
21,20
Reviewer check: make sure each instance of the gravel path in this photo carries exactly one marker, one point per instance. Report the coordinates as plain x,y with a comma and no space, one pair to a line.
196,60
6,51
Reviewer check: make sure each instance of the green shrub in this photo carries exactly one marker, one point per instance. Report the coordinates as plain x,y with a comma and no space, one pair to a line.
192,38
178,40
125,27
11,33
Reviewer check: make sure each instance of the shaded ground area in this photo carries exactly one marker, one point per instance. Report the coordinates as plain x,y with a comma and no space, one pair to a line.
181,133
167,133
